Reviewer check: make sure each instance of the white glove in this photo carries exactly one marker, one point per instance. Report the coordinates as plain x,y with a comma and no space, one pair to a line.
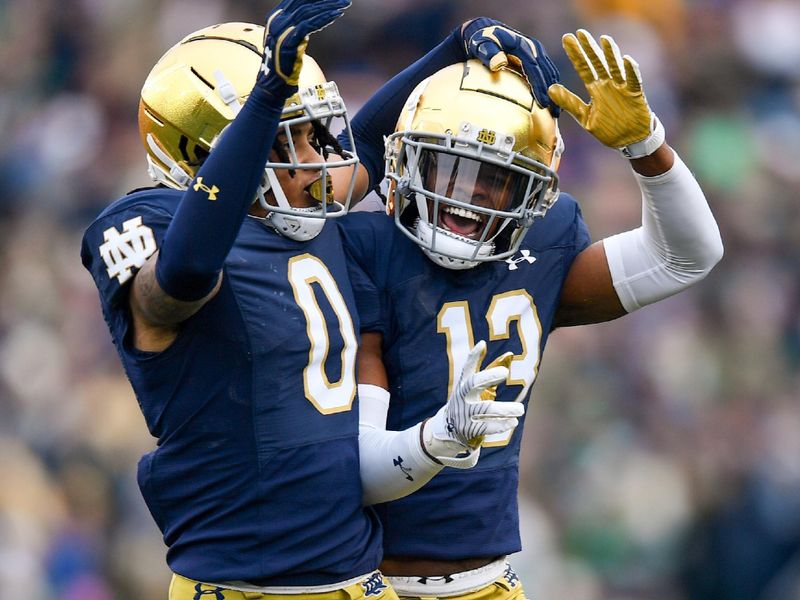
453,436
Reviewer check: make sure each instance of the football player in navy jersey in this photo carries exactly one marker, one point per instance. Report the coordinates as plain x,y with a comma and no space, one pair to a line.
479,243
227,295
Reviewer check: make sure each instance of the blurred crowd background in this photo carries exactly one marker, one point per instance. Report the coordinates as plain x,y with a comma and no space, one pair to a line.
662,452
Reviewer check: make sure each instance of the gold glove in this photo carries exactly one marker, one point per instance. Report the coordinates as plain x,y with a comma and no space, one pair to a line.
504,360
490,393
617,114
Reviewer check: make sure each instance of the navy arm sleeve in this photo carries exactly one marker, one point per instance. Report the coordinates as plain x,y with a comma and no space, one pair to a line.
214,206
378,117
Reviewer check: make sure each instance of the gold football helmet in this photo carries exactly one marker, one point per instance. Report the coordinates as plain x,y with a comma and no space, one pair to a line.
472,163
197,88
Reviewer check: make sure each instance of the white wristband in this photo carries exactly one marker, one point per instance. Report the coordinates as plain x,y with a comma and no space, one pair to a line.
448,452
648,145
373,405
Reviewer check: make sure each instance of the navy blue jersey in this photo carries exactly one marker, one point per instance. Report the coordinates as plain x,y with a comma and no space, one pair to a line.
430,317
255,476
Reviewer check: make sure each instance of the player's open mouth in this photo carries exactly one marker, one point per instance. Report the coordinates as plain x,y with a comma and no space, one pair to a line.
461,221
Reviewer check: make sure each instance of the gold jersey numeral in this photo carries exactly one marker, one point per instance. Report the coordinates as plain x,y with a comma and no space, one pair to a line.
328,397
514,307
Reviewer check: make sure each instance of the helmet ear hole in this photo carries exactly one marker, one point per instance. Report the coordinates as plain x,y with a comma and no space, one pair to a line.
409,216
201,155
503,240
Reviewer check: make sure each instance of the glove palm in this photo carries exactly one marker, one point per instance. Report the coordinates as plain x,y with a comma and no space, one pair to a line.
286,38
618,114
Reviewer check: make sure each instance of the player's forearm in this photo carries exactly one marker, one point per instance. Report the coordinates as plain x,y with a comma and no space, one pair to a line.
153,307
656,163
678,243
214,206
393,463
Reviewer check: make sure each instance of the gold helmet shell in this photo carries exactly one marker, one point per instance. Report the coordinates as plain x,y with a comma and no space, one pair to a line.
472,162
196,89
498,101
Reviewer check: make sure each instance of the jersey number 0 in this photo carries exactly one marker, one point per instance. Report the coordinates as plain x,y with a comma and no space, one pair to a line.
328,397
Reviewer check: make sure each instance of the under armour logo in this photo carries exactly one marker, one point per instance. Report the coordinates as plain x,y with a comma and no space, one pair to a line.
514,262
127,250
511,576
398,462
211,191
374,585
217,591
441,579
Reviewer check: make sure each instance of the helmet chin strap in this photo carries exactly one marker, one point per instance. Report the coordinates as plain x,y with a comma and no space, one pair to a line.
176,177
292,226
273,185
450,250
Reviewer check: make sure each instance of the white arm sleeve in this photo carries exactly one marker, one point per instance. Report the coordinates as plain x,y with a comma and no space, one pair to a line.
676,246
393,463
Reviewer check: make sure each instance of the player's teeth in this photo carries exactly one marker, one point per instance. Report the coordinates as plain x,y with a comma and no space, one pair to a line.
462,212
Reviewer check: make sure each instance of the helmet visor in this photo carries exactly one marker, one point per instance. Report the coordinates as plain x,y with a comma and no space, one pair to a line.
470,197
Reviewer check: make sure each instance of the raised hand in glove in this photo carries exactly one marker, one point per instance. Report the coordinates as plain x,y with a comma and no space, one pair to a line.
453,436
496,45
286,38
617,114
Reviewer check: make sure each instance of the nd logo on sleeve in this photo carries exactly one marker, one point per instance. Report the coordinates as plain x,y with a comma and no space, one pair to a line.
128,249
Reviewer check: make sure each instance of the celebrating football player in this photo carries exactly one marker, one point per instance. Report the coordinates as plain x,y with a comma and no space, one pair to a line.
227,295
479,243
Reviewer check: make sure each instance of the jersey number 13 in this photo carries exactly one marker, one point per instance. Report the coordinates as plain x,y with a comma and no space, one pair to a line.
517,307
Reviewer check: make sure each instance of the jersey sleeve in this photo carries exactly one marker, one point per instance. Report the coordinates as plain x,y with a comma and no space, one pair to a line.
581,237
361,233
117,244
563,227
